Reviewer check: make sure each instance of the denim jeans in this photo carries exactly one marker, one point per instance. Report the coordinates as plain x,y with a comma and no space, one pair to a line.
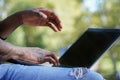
21,72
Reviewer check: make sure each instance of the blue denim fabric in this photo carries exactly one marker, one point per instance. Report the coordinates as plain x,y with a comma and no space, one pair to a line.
91,75
21,72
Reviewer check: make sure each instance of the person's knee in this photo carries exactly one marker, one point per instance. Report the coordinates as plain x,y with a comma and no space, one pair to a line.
85,74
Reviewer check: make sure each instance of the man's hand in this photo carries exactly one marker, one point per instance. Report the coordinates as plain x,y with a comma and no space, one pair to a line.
31,17
28,54
34,55
41,17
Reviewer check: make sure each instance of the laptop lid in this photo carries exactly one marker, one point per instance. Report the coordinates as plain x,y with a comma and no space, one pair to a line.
89,47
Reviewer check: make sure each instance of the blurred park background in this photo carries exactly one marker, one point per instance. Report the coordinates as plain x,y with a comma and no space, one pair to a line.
76,16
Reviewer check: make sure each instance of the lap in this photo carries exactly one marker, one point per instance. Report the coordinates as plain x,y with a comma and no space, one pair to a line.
21,72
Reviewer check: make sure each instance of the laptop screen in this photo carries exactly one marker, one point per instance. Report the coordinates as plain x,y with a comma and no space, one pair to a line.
89,47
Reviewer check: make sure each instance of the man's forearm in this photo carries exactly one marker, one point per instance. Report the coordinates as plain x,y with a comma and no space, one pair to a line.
7,51
4,50
8,25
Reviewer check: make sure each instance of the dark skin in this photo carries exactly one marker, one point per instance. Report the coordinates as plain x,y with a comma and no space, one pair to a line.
32,17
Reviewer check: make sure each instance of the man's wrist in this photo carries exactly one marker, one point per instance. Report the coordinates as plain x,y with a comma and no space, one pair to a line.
2,38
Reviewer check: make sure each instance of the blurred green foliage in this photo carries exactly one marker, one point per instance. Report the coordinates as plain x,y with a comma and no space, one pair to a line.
75,19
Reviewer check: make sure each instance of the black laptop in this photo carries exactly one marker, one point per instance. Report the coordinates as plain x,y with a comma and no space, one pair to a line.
89,47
